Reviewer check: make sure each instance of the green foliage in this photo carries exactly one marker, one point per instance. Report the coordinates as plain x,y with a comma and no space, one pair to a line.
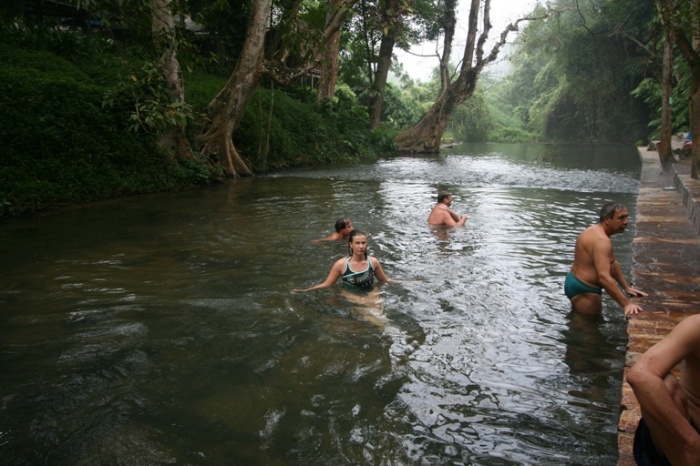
153,108
69,106
60,146
471,121
227,23
575,71
649,92
96,56
302,133
399,111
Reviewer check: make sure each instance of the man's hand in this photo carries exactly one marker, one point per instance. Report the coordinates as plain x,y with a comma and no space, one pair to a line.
635,292
632,310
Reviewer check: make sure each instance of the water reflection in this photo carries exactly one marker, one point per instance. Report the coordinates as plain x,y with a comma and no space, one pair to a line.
161,329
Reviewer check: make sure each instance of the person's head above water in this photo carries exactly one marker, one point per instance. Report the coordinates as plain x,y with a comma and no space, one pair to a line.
357,239
609,209
442,195
343,225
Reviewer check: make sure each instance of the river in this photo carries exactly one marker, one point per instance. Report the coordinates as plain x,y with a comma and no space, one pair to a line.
161,329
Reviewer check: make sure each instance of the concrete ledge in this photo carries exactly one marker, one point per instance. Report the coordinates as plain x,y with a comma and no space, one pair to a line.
689,190
666,264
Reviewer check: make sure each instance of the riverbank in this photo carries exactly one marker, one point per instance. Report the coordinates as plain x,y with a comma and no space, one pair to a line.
666,264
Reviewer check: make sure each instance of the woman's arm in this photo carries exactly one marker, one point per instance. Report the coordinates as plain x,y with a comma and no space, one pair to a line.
333,276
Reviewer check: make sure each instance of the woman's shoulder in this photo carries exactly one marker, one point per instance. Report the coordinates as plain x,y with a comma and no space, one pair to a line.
340,262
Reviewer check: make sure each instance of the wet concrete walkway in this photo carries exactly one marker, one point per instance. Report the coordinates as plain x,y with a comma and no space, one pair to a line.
666,264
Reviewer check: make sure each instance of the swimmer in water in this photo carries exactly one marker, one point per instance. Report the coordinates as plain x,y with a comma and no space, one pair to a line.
357,271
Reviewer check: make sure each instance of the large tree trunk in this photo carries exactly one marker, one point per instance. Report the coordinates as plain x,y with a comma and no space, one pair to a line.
386,50
392,11
225,112
427,134
664,148
330,60
173,141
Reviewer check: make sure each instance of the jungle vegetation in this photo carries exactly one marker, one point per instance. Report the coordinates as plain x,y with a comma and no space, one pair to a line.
107,98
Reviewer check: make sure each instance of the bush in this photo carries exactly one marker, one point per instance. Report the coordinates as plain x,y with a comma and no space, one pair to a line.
60,146
300,132
511,135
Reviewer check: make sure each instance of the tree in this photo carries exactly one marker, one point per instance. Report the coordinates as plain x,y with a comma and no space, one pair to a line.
426,135
330,60
173,140
296,46
664,147
681,18
392,14
159,95
226,110
574,73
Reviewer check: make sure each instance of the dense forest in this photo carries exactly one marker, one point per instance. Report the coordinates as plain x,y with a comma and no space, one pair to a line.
107,98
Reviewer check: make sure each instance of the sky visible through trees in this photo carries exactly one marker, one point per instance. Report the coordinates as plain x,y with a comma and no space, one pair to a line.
420,62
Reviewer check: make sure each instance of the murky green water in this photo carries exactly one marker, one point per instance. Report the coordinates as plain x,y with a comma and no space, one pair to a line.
160,329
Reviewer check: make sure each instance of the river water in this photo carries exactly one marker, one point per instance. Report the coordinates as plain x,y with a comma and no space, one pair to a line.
161,330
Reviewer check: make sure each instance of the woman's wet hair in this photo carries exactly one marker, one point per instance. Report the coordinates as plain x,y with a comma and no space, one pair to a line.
609,209
352,235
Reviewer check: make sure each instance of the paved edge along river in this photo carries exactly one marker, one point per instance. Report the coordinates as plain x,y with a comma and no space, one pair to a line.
666,263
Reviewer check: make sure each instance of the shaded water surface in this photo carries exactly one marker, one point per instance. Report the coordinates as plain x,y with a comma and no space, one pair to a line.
160,329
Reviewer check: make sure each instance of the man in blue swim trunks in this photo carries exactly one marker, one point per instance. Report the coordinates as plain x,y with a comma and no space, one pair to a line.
668,431
595,268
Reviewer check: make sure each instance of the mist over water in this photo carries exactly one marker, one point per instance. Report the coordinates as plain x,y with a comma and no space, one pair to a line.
160,329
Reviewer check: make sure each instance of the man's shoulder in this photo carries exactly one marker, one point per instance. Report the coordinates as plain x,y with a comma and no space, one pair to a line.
594,234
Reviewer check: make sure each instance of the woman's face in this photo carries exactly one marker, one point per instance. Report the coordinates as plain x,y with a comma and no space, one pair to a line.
359,244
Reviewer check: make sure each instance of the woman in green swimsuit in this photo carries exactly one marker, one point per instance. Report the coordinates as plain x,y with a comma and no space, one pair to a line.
357,270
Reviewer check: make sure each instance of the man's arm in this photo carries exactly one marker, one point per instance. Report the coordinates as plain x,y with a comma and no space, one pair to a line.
669,426
620,278
452,219
603,260
459,221
446,218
